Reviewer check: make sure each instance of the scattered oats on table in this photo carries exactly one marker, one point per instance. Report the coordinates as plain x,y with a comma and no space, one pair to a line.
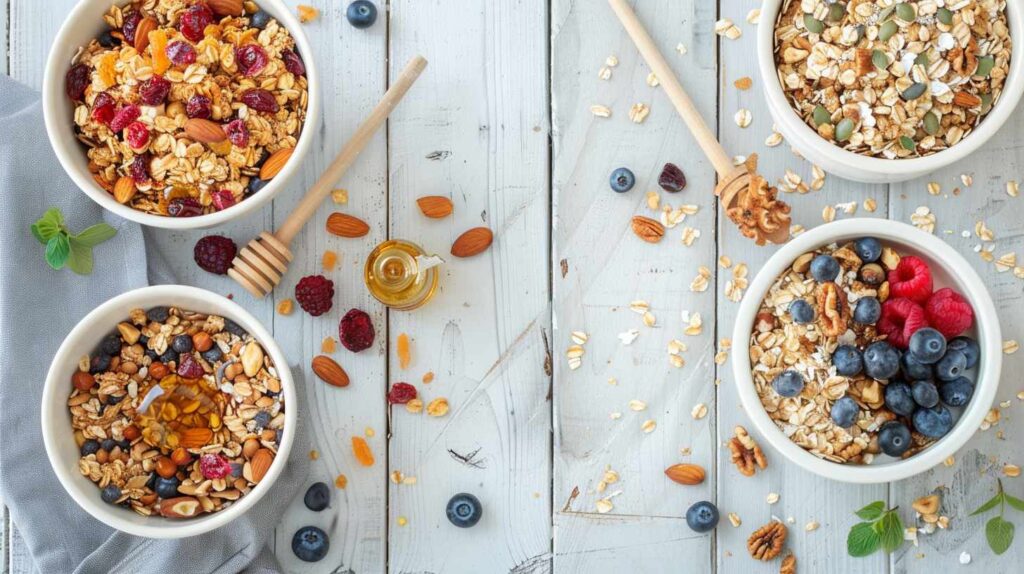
639,112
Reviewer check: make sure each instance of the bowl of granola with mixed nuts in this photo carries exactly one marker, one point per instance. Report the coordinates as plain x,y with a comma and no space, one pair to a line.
168,411
889,90
873,351
181,113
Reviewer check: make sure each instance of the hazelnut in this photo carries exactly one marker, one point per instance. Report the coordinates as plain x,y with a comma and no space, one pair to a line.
102,456
180,457
165,467
82,380
202,341
765,322
250,447
158,370
131,432
872,274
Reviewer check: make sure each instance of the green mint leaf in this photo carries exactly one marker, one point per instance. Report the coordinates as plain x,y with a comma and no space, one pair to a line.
992,503
890,531
57,249
999,534
1014,502
872,511
48,226
80,258
862,540
93,236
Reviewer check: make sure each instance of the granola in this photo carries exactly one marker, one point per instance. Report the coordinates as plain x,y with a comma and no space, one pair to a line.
893,78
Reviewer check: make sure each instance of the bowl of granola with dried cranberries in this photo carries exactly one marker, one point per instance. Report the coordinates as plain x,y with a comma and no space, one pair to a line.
873,351
180,113
168,411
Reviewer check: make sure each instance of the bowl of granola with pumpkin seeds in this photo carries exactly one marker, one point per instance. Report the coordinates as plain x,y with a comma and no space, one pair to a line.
856,85
180,113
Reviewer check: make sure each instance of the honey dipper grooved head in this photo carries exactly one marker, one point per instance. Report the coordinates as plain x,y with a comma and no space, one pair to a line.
259,266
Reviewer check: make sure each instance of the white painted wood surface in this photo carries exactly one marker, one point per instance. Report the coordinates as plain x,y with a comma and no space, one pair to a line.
506,77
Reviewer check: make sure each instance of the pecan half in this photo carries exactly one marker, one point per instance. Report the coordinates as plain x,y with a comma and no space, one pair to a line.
788,564
648,229
833,312
746,454
767,542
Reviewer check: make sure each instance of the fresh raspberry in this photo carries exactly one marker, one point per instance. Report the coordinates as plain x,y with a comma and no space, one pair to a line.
900,319
252,59
199,106
189,367
195,20
137,135
315,294
293,63
184,207
260,100
222,199
181,54
237,132
214,466
949,312
154,90
124,116
76,81
911,279
139,168
356,331
401,393
214,253
103,108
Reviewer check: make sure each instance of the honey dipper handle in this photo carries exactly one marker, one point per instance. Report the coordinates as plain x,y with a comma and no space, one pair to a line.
682,102
316,194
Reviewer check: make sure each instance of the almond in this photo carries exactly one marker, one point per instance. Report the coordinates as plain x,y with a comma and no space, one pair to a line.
260,463
472,242
124,190
205,131
688,474
648,229
226,7
146,25
435,206
344,225
275,163
195,437
329,371
966,100
180,507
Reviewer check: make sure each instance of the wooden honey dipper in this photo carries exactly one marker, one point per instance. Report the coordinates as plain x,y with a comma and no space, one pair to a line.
262,263
745,196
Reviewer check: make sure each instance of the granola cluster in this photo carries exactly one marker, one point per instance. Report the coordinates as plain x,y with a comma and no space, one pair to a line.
180,104
177,413
892,78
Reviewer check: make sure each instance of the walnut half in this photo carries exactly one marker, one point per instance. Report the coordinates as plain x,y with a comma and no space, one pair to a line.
746,454
833,311
767,542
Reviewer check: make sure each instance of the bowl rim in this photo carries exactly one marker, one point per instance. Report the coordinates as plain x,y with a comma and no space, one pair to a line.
989,338
795,129
55,387
67,148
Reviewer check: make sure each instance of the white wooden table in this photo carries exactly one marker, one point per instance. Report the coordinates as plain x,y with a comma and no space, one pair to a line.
501,123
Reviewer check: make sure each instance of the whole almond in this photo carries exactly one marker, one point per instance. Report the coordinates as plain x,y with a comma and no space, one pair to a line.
472,242
688,474
275,163
648,229
261,462
180,507
124,190
344,225
435,206
226,7
205,131
330,371
966,100
145,26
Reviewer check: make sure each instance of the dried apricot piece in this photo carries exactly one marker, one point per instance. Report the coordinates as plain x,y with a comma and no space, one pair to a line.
362,451
108,74
158,46
329,260
403,351
328,346
341,481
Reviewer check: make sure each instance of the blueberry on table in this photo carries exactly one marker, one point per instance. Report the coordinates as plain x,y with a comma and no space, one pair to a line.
899,398
702,516
622,180
788,383
969,347
824,268
464,510
925,393
927,345
914,370
361,14
847,360
934,422
958,392
166,487
110,494
867,311
868,249
318,496
881,361
951,366
310,544
844,411
801,311
894,438
88,447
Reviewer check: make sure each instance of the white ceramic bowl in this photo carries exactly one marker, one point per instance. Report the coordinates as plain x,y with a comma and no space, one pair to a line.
846,164
949,269
56,421
83,24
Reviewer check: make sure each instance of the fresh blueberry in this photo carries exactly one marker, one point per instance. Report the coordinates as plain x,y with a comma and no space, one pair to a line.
847,360
213,354
236,469
158,314
256,184
958,392
317,497
925,393
90,446
844,411
152,354
262,419
881,360
868,249
169,356
914,370
107,39
464,510
166,487
108,444
151,483
969,347
111,345
622,180
951,366
894,438
899,398
234,328
801,311
934,422
182,344
125,444
310,544
867,311
259,20
824,268
100,362
788,383
927,345
361,14
113,400
110,493
702,516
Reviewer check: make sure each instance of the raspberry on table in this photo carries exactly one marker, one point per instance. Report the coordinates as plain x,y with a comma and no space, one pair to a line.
214,253
401,393
900,319
911,279
315,294
948,312
356,331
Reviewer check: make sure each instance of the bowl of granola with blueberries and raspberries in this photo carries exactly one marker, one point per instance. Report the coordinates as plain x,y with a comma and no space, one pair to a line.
168,411
181,113
889,90
873,351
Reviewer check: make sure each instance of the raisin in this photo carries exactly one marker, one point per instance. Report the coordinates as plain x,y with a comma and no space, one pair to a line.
131,24
237,133
222,199
125,116
184,207
181,53
195,20
103,108
252,59
362,451
139,168
153,91
293,63
76,81
260,100
401,393
137,135
199,106
672,178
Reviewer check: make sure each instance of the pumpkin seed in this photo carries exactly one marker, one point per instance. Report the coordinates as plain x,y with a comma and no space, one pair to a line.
986,102
836,11
821,115
921,59
945,16
985,65
887,30
844,129
906,12
907,143
813,25
914,91
931,123
879,59
885,14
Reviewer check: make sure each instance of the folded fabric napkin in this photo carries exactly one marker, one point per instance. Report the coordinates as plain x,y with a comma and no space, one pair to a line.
38,306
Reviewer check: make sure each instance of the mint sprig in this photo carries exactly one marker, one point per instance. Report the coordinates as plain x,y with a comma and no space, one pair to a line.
998,530
881,529
64,248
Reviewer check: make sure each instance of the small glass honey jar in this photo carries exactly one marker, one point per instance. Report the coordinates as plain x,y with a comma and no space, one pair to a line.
401,275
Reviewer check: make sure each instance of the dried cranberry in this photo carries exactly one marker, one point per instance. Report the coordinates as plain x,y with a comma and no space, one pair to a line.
672,178
356,331
103,108
188,366
131,24
139,168
401,393
180,53
184,207
195,20
125,116
293,63
153,91
137,135
199,106
260,100
76,81
214,466
252,59
223,199
237,133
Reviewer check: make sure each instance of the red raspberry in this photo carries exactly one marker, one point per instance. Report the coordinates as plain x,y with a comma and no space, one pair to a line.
184,207
181,54
293,63
237,133
76,81
195,20
315,294
139,168
137,135
214,466
260,100
222,199
214,253
189,367
131,23
199,106
900,319
949,312
356,331
103,108
124,116
401,393
153,91
911,279
252,59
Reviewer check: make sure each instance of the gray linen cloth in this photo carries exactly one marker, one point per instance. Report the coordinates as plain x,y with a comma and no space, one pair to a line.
38,306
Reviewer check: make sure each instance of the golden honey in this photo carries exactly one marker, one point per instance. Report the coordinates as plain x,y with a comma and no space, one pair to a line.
396,275
186,412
